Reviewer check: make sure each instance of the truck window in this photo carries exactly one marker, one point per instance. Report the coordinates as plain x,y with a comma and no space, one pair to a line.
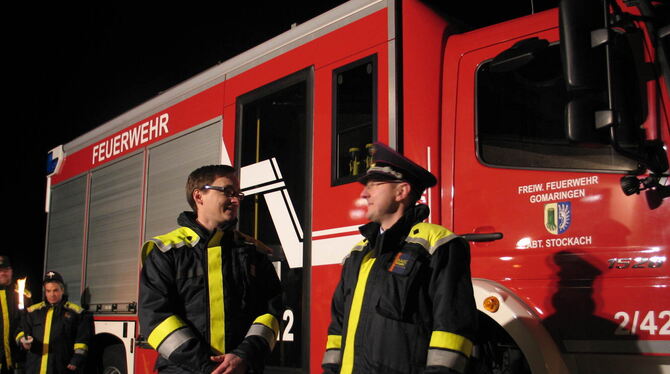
113,232
354,118
520,120
66,231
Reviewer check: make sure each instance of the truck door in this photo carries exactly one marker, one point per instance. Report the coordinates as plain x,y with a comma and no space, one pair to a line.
587,260
274,125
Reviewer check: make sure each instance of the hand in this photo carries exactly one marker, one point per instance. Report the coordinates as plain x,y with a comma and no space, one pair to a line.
230,364
71,367
27,342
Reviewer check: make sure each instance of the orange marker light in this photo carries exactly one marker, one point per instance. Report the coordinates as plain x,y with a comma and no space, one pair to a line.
491,304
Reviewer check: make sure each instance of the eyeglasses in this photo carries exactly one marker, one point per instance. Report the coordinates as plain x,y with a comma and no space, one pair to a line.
373,184
228,191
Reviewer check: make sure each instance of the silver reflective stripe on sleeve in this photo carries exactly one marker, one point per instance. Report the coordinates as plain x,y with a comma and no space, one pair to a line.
452,360
174,341
80,351
440,242
264,332
332,356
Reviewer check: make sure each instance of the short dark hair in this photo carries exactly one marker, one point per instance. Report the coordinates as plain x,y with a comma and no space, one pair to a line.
415,193
205,175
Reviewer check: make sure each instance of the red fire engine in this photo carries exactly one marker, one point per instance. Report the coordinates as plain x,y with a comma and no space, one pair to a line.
548,134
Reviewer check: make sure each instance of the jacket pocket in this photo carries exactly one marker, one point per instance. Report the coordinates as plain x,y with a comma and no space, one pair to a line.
398,286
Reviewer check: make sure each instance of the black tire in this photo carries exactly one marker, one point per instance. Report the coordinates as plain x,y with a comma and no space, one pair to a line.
496,352
114,359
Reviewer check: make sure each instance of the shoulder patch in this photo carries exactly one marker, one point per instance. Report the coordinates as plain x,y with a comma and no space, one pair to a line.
429,236
37,306
74,307
182,236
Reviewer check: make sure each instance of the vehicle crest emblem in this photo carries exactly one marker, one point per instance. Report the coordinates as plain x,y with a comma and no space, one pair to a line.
557,217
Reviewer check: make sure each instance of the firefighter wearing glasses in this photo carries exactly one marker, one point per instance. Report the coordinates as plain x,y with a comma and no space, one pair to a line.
404,303
208,296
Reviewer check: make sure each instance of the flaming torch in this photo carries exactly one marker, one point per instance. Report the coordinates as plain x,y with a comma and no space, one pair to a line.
21,286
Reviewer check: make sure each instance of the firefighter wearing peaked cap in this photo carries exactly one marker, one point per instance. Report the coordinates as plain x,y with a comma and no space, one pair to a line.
10,355
404,303
55,333
209,297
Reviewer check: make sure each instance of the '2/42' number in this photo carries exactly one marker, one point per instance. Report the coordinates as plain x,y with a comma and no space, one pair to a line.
648,323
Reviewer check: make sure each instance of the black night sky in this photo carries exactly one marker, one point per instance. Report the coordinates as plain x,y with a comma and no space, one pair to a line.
69,69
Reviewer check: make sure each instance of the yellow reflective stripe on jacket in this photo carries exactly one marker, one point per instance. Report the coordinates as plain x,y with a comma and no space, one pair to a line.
357,248
20,335
269,321
451,341
164,329
334,342
45,342
266,327
429,236
80,348
174,239
74,307
5,328
34,307
355,312
217,314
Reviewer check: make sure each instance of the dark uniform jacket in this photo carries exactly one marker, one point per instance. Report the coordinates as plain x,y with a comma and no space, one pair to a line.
10,320
61,336
205,294
404,303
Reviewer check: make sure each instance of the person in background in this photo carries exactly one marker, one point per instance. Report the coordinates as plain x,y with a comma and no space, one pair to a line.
11,356
55,333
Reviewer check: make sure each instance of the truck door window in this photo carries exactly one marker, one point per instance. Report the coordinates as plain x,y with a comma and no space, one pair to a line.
520,120
354,118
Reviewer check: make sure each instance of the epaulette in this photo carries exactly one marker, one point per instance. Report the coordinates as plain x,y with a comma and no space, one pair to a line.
429,236
357,248
260,246
360,245
37,306
175,239
74,307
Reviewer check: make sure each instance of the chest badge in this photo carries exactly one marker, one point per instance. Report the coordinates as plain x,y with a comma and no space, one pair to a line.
402,263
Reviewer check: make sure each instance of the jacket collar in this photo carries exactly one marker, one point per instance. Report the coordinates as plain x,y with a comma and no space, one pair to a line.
396,233
188,219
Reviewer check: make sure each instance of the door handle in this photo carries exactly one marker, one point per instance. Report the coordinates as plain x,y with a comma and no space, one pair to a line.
484,237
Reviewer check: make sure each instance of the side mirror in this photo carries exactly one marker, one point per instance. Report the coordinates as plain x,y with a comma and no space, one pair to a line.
583,65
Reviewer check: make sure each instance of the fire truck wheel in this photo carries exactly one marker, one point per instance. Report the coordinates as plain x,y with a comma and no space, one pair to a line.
496,352
114,359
